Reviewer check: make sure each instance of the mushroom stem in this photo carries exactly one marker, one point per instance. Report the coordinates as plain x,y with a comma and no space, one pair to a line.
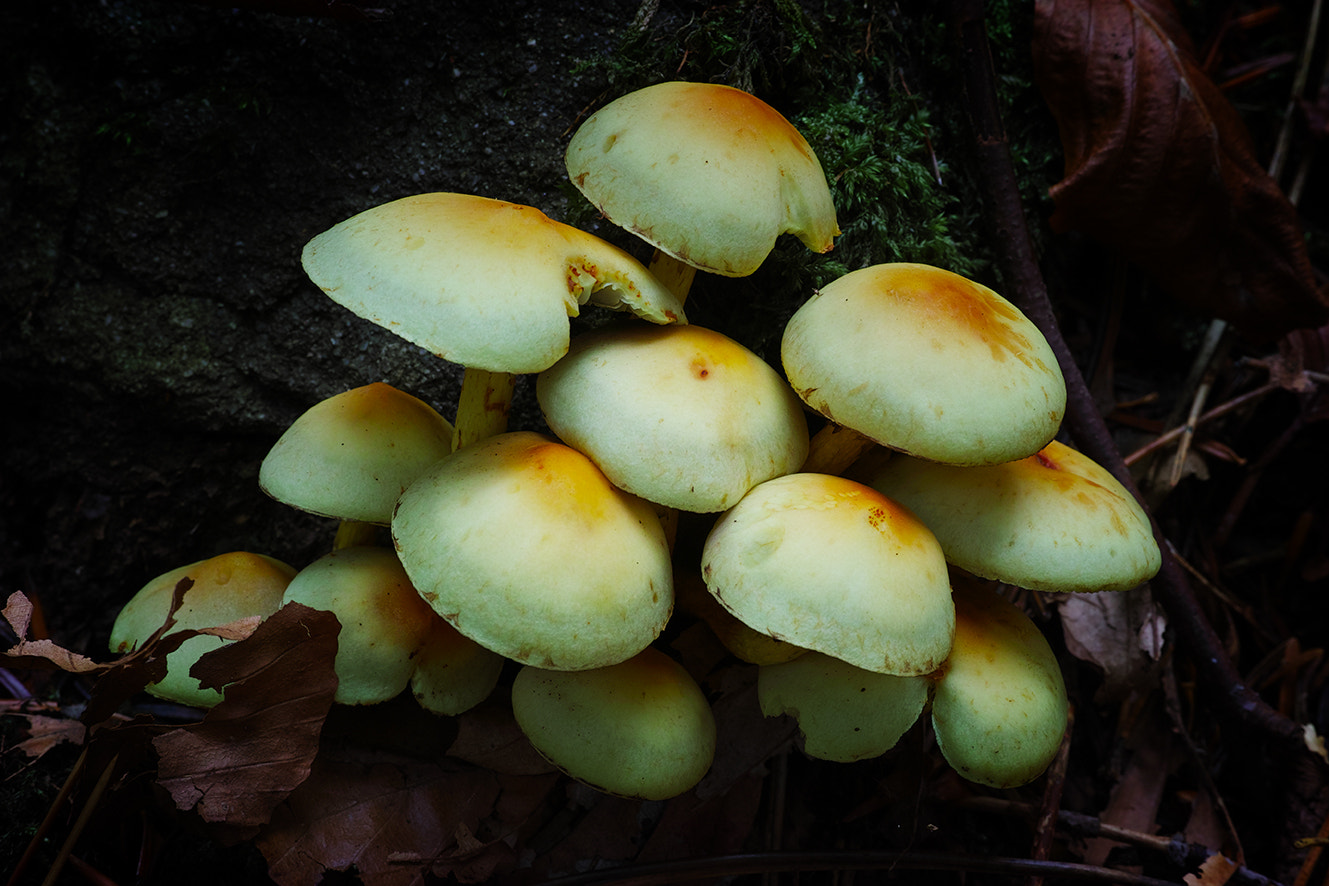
676,275
834,448
353,533
482,407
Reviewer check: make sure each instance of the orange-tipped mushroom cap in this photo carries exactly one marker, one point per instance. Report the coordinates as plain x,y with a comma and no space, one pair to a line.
926,362
226,588
523,545
679,415
480,282
1055,521
706,173
999,709
640,728
829,564
352,455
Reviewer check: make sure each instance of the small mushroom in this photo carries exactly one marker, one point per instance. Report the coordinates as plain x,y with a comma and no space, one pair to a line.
926,362
680,415
452,672
523,545
844,713
708,174
832,565
480,282
999,708
226,588
1055,521
640,728
352,455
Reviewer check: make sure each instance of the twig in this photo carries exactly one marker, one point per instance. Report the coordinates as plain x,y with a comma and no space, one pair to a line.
1028,290
1217,412
685,870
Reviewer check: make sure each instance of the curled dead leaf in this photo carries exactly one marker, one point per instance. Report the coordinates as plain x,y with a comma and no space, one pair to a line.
1160,166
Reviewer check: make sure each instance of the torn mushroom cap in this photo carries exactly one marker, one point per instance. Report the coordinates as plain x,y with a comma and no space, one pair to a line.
640,728
351,455
480,282
829,564
999,708
226,588
523,545
926,362
679,415
708,174
845,713
1055,521
383,620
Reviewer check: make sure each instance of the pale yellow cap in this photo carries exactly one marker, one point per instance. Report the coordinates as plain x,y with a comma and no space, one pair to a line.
226,588
926,362
352,455
999,709
706,173
679,415
641,728
523,545
832,565
480,282
1055,521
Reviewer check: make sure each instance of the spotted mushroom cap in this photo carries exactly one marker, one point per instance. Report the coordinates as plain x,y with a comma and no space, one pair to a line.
706,173
927,362
1055,521
679,415
480,282
832,565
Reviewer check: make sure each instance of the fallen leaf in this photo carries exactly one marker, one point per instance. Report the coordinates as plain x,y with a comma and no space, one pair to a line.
1159,165
47,726
1214,871
258,744
1119,631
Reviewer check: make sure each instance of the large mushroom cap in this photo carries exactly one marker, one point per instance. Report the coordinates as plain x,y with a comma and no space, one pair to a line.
926,362
523,545
350,456
225,588
999,709
706,173
480,282
640,728
1055,521
679,415
832,565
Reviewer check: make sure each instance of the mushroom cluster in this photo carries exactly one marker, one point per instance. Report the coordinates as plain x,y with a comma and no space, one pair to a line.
841,564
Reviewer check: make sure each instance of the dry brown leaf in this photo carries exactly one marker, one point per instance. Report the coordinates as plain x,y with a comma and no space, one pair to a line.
1214,871
259,742
1120,631
47,726
1160,166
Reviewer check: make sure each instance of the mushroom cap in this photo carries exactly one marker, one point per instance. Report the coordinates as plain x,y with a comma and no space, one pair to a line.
926,362
1055,521
383,620
679,415
453,673
352,455
480,282
845,713
706,173
999,708
523,545
640,728
832,565
226,588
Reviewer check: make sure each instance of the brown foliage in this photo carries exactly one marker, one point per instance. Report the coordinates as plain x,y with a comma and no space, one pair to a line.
1160,166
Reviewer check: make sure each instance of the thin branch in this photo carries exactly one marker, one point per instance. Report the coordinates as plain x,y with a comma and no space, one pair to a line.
1026,287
